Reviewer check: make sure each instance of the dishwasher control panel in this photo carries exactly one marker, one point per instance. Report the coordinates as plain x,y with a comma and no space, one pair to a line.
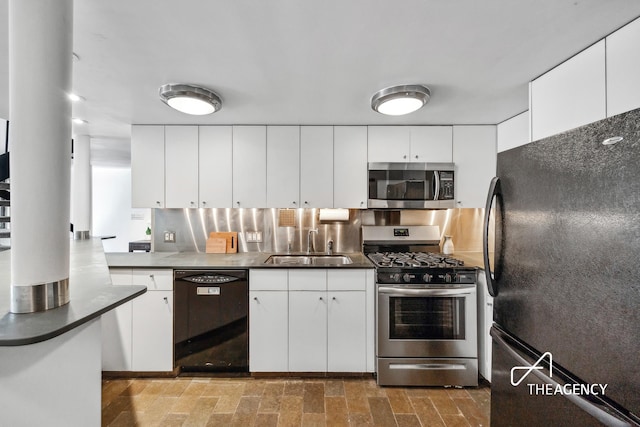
209,278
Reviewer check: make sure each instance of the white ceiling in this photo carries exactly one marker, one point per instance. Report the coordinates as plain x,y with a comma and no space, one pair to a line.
316,62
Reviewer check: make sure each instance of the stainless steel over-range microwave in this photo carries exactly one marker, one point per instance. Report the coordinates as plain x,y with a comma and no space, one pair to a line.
411,185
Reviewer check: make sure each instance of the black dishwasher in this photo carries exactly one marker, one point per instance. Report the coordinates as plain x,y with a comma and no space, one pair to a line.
211,320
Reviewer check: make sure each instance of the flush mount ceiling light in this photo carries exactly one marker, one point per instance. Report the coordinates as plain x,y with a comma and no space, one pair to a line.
190,99
400,100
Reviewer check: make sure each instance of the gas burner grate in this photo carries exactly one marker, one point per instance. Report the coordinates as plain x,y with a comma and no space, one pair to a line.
414,260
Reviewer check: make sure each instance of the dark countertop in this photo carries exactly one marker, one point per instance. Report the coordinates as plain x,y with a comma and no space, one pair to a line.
183,260
90,291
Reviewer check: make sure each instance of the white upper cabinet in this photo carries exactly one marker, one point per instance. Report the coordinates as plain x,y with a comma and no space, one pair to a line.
410,144
316,166
474,155
350,167
570,95
623,63
147,166
283,166
249,166
389,144
181,166
513,132
433,144
215,166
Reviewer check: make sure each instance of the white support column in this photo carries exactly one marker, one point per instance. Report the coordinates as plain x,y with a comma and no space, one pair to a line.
81,187
40,67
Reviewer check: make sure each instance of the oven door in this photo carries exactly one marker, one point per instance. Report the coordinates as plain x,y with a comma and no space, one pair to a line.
427,321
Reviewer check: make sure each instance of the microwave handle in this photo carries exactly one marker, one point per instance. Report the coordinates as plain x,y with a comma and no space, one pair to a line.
436,183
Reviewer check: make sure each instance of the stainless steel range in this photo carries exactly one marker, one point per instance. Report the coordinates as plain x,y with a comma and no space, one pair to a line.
426,309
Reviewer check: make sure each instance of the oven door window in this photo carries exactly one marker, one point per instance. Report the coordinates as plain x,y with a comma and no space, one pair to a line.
426,318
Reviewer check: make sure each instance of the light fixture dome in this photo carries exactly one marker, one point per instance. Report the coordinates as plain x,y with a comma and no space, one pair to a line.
190,99
400,100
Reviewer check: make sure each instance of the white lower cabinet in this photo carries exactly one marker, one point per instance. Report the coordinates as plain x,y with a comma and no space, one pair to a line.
268,326
138,335
311,320
152,332
346,332
307,331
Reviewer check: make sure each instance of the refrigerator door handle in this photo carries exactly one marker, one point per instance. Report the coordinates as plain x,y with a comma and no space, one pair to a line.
495,191
590,407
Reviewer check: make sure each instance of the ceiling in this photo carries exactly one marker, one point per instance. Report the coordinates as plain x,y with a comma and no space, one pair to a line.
316,62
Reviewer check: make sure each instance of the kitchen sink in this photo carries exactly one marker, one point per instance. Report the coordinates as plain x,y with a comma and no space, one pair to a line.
325,260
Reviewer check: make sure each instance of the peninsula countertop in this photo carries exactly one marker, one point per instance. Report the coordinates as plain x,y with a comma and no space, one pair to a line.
90,291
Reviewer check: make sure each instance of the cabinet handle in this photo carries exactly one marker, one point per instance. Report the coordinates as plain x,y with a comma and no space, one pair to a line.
334,298
157,202
204,203
294,203
238,203
256,300
306,203
166,300
192,203
151,276
404,157
321,299
416,156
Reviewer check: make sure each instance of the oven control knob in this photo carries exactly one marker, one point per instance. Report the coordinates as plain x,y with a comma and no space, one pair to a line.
450,278
395,277
407,277
427,278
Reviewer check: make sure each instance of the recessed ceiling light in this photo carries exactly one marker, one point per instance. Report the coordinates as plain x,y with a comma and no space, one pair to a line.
190,99
75,98
400,100
79,121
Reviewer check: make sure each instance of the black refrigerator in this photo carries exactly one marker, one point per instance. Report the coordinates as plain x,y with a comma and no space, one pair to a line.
565,274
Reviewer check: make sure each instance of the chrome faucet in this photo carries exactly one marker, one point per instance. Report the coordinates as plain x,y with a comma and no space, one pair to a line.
330,247
310,247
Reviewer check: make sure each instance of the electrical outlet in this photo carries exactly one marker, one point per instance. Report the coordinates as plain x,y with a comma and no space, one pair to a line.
253,236
169,236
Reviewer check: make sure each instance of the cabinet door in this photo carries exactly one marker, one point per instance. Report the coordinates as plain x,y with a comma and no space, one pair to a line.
570,95
307,331
350,167
249,166
117,338
181,166
474,155
283,166
215,166
389,144
513,132
623,62
147,166
346,332
316,166
268,336
433,144
152,329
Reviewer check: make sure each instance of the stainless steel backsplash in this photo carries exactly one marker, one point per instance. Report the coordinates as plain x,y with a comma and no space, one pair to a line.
192,227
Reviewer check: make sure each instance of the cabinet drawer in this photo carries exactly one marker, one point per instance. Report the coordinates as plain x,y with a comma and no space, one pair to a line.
153,279
120,276
346,280
307,280
268,280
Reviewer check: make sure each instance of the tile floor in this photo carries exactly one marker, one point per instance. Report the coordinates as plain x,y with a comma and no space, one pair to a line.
243,402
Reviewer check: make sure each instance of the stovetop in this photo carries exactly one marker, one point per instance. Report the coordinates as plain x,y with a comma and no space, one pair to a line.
413,260
420,268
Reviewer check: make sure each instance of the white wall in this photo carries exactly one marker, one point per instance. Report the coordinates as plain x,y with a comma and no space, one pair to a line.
112,212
